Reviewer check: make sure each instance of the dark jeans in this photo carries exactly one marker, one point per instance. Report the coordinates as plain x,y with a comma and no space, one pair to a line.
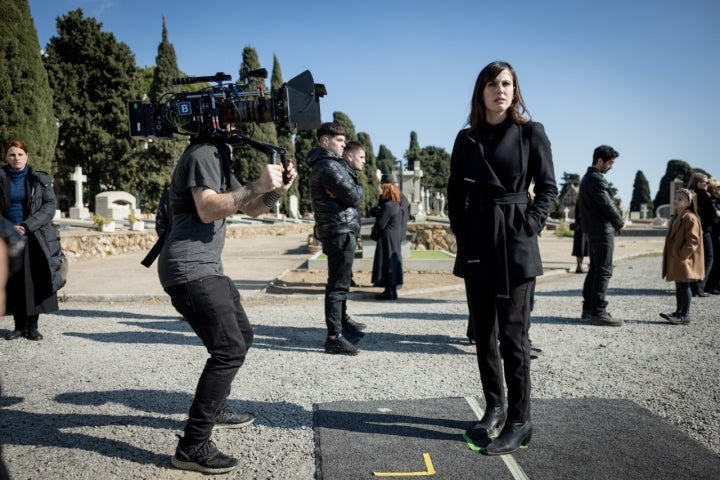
683,298
599,272
211,305
340,251
506,320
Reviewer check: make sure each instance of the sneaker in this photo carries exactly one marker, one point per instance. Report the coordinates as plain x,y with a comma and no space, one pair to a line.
606,319
340,345
675,318
586,314
230,419
203,457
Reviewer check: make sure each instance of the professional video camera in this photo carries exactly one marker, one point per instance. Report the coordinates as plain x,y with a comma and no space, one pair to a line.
223,109
226,106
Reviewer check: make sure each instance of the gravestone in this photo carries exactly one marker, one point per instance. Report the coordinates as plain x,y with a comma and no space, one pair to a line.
294,208
79,211
116,205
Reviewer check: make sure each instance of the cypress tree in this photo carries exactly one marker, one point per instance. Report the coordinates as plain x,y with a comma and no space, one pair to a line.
160,155
248,161
411,154
386,162
435,164
26,100
674,169
284,135
641,193
368,176
305,140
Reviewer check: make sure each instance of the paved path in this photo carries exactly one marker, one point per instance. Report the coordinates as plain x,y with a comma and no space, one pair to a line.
254,261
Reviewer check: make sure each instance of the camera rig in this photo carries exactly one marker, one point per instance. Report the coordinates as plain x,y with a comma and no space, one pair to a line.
221,109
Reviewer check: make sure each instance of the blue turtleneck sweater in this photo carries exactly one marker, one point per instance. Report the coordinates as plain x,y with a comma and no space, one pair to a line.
17,194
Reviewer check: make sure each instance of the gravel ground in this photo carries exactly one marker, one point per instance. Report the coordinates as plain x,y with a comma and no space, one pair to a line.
107,390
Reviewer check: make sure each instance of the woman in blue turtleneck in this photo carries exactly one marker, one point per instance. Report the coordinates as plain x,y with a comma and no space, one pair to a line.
27,200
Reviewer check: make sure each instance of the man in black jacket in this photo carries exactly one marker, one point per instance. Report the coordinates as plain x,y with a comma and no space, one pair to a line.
336,194
599,219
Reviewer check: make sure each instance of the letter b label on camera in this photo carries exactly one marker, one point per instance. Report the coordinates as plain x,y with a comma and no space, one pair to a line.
184,109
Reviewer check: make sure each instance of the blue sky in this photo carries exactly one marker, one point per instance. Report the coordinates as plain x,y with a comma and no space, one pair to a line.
640,75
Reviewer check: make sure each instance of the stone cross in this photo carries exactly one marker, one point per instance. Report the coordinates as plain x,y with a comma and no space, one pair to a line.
78,177
566,211
643,210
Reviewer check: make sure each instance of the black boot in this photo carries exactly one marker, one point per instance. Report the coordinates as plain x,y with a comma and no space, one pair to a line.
15,334
385,295
489,425
513,436
393,292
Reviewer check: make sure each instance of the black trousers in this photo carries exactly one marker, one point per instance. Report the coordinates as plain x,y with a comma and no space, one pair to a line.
211,305
708,254
505,321
340,251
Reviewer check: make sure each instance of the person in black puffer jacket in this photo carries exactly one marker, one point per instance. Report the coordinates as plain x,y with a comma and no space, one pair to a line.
27,200
335,193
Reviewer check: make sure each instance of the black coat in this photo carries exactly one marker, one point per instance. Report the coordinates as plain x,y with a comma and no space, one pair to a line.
494,219
337,213
598,214
388,232
44,261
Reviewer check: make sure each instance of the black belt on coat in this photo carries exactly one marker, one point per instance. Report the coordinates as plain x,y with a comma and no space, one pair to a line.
502,288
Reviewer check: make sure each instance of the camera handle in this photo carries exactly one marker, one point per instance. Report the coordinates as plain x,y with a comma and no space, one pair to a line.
270,150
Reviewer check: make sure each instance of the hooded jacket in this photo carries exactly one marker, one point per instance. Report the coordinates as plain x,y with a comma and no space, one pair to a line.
42,234
335,212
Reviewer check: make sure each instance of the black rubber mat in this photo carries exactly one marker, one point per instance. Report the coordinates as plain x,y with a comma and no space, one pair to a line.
573,439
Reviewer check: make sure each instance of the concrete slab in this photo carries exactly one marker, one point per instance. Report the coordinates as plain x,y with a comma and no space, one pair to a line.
588,438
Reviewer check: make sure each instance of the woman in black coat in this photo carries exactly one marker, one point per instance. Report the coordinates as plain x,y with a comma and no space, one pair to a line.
496,223
388,231
27,200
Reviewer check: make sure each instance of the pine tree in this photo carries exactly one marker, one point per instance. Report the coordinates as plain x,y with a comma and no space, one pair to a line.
641,193
92,76
435,165
26,100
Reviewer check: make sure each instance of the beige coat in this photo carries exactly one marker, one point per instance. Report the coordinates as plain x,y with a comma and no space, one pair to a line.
683,257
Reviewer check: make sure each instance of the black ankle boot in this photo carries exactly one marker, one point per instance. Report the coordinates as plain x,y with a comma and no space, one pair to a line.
513,436
490,424
15,334
385,295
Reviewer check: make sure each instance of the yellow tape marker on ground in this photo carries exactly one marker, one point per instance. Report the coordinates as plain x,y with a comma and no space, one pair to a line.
428,464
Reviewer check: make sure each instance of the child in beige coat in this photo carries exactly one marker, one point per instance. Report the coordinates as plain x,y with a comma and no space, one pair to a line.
683,259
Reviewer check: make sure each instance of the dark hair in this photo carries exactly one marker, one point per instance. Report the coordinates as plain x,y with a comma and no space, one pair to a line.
330,129
15,143
604,153
353,147
477,108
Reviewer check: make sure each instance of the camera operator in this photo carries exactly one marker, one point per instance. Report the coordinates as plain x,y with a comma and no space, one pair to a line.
336,194
203,192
